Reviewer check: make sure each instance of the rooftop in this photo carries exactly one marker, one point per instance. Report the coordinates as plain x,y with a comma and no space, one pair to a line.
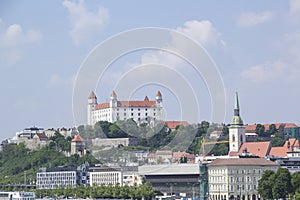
242,162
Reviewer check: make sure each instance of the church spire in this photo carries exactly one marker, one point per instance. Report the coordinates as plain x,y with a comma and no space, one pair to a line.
237,120
236,105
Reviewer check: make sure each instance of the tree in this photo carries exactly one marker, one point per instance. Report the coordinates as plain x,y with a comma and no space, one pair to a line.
277,142
272,129
260,130
265,184
296,182
282,184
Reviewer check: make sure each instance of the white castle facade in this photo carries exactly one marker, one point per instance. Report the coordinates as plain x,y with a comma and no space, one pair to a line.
114,110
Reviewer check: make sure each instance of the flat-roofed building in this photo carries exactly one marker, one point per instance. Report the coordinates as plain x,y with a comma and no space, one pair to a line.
51,178
237,178
173,178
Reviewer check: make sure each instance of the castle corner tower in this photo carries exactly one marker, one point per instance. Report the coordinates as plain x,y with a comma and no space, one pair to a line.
92,102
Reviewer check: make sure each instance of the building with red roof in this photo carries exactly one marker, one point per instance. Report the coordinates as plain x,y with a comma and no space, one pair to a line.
78,145
115,109
173,124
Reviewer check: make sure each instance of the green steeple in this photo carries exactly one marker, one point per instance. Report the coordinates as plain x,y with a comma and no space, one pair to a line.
237,120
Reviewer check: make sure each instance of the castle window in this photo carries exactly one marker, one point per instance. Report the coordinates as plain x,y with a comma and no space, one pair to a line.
146,109
153,114
146,114
131,109
131,114
124,114
139,114
124,109
139,109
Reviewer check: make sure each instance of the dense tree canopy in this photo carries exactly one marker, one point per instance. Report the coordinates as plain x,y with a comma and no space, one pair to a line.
278,185
17,160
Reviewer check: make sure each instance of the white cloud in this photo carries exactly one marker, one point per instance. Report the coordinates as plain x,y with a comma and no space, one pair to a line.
202,31
295,7
252,19
14,39
264,72
85,23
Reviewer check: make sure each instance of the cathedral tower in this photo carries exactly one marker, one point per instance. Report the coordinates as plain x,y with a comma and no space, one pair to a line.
236,129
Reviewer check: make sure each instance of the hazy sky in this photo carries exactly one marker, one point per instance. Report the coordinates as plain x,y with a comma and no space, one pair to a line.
254,44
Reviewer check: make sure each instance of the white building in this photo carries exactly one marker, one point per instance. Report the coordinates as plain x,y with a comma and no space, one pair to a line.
105,175
51,178
17,195
237,178
115,110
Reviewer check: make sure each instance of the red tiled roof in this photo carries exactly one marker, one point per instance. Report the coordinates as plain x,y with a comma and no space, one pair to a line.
242,162
191,156
252,127
102,105
145,103
92,95
113,94
297,144
77,138
260,149
158,94
151,155
290,125
173,124
179,154
278,152
287,147
136,103
42,135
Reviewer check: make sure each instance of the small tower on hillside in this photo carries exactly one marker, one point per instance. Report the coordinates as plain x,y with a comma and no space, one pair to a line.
158,99
113,100
92,102
236,129
77,146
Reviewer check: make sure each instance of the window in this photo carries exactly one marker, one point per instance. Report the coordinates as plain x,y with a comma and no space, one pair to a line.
153,114
139,109
146,114
131,114
131,109
139,114
146,109
124,114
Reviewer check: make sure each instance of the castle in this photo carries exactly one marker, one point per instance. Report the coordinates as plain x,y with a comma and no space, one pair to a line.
114,110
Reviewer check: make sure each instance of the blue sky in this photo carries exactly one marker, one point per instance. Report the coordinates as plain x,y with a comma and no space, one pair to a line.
255,45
